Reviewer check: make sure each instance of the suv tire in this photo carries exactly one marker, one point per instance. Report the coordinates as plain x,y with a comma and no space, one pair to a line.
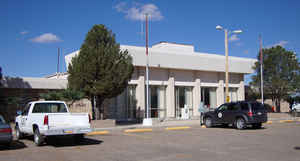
208,122
240,123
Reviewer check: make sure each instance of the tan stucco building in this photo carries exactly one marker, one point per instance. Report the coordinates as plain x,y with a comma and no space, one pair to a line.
179,79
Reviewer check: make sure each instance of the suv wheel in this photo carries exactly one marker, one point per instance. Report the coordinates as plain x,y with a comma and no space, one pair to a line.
208,122
240,123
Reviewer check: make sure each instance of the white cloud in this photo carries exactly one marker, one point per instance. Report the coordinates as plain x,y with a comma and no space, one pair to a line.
138,11
281,43
24,32
234,38
46,38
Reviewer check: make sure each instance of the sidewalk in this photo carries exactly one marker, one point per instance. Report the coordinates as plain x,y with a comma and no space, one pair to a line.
110,124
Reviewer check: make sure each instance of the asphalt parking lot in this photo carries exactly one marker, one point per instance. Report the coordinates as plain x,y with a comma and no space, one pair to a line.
275,142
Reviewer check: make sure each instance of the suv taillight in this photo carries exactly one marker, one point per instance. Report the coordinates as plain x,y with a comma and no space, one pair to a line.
90,119
46,120
6,130
250,114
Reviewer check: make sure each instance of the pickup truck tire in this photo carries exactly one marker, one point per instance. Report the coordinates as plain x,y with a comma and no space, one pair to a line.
19,134
37,137
208,122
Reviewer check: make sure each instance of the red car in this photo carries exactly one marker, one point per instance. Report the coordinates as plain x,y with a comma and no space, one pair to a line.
6,136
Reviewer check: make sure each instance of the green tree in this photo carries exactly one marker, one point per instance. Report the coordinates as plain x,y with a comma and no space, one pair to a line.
101,70
68,95
281,72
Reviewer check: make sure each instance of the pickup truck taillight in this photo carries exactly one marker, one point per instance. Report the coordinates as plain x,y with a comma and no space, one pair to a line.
46,120
6,130
90,119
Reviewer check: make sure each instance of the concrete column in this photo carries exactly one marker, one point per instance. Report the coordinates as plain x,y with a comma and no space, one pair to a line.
220,93
171,96
241,91
197,97
140,92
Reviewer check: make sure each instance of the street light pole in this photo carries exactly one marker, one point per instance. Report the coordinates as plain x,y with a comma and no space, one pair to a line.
227,32
226,66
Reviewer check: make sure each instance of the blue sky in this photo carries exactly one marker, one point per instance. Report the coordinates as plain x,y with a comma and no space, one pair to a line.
32,30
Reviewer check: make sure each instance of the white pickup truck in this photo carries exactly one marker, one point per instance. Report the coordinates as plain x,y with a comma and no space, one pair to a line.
51,118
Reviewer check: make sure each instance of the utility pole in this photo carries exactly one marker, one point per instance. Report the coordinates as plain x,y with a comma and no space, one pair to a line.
57,73
148,120
226,67
261,70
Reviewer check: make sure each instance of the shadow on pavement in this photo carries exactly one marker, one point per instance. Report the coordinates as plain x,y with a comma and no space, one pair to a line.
15,145
129,122
70,141
233,128
297,147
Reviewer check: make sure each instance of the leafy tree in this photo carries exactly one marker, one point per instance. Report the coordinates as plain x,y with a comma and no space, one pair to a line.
68,95
281,74
101,69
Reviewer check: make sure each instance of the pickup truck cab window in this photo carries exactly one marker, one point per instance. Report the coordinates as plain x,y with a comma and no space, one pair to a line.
49,108
26,110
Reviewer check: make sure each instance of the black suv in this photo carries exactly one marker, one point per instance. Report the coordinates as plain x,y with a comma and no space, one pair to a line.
238,114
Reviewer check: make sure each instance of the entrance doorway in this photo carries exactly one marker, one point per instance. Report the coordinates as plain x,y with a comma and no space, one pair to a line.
157,96
183,102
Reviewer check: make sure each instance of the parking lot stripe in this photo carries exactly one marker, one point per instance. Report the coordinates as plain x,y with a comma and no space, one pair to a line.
137,130
286,121
178,128
98,133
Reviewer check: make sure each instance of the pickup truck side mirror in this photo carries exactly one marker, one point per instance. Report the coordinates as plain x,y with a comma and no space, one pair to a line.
19,112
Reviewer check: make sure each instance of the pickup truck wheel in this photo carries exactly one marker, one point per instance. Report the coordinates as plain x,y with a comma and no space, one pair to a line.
19,134
240,124
208,122
38,139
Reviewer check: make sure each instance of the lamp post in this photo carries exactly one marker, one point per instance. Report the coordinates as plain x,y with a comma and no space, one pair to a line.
226,57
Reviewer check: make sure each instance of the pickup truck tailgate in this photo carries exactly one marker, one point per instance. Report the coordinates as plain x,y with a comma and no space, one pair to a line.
69,120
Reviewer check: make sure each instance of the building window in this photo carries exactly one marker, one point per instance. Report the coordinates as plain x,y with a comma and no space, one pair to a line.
232,93
209,97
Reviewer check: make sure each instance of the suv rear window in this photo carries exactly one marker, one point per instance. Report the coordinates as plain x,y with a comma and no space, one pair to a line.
257,106
49,108
245,106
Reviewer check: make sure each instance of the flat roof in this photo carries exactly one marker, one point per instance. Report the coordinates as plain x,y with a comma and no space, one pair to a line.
183,58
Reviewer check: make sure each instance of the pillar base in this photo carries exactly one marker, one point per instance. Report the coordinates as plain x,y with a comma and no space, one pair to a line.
147,122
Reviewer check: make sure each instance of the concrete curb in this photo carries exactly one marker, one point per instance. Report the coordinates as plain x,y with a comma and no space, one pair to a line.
98,133
178,128
137,130
287,121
